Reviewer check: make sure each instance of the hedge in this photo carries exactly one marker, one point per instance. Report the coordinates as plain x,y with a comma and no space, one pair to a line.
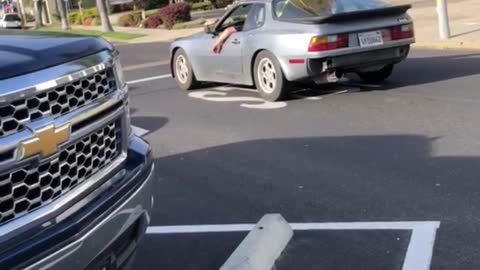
89,13
131,19
169,15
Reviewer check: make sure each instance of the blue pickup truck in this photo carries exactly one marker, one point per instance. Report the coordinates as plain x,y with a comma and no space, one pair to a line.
75,182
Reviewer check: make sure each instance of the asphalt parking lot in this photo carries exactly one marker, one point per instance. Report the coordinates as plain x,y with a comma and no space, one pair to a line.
366,157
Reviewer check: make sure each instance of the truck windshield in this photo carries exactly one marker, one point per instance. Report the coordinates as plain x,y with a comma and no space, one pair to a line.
293,9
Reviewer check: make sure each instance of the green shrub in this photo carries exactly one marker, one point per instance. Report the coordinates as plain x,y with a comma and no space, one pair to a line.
191,24
88,21
73,17
150,12
96,21
200,6
76,18
90,12
131,19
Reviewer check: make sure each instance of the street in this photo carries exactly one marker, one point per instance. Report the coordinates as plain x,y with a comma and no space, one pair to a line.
407,151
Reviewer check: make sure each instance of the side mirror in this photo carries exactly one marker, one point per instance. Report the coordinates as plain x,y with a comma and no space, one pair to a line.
210,26
210,29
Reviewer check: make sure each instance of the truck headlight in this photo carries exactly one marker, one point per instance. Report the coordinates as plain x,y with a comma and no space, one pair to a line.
122,86
128,120
120,78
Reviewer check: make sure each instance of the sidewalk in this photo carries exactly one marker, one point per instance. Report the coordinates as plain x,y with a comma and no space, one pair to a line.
151,35
464,22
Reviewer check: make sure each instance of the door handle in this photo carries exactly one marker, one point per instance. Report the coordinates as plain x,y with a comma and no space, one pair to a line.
236,41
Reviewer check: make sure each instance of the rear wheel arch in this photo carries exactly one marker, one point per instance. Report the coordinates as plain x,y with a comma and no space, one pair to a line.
269,77
252,63
182,68
172,58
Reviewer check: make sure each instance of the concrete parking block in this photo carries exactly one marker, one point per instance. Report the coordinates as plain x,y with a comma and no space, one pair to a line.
262,246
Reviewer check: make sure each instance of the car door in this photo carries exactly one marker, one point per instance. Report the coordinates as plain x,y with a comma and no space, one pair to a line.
228,63
252,32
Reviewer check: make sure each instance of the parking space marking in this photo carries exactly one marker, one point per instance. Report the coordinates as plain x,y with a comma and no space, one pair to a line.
220,94
139,131
418,255
164,76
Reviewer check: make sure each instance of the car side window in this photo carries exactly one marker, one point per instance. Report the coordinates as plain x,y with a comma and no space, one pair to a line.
237,18
256,17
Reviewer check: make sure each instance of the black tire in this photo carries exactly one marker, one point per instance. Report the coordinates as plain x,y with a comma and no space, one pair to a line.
275,88
378,76
186,80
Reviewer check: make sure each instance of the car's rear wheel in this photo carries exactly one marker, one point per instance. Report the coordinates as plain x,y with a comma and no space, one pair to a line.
377,76
184,75
269,78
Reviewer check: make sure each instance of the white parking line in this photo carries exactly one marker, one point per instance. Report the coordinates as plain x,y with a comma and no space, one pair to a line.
418,255
139,131
150,79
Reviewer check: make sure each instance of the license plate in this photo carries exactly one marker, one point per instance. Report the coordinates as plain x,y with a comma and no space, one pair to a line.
367,39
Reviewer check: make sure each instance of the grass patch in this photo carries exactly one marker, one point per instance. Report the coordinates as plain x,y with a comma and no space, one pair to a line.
200,6
150,12
192,24
95,33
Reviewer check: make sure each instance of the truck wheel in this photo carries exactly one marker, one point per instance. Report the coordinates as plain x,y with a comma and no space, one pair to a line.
183,71
376,76
269,79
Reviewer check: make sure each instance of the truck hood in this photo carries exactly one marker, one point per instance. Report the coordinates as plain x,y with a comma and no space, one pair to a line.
22,53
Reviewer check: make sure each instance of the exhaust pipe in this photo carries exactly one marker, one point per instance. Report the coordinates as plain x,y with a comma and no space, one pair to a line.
329,77
334,76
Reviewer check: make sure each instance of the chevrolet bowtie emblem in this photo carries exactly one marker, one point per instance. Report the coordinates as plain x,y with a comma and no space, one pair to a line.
46,141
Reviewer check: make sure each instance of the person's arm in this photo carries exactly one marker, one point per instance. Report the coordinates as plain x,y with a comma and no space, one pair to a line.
217,47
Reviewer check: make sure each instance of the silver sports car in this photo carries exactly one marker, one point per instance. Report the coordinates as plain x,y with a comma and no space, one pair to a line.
281,41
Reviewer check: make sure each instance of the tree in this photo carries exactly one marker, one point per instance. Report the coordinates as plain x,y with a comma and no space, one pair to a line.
102,10
63,14
38,13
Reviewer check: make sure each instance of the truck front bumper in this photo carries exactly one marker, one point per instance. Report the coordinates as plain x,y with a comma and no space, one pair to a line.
104,234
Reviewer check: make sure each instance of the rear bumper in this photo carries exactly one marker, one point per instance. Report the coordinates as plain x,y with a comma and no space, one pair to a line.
357,61
318,66
104,233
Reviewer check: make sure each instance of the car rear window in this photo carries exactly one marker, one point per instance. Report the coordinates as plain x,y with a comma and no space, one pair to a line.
12,18
291,9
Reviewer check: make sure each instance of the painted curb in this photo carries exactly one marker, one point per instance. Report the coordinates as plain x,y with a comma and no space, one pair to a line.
262,246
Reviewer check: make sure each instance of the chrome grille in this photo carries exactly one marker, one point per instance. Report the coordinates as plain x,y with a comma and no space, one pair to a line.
15,115
30,187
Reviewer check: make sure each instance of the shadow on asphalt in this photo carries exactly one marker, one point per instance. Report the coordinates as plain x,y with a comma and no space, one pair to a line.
150,123
413,71
328,179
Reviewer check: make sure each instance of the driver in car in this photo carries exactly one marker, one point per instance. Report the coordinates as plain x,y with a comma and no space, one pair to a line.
217,46
236,26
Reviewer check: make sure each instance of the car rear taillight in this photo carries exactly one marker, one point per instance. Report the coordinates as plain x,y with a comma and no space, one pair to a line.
402,31
328,43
